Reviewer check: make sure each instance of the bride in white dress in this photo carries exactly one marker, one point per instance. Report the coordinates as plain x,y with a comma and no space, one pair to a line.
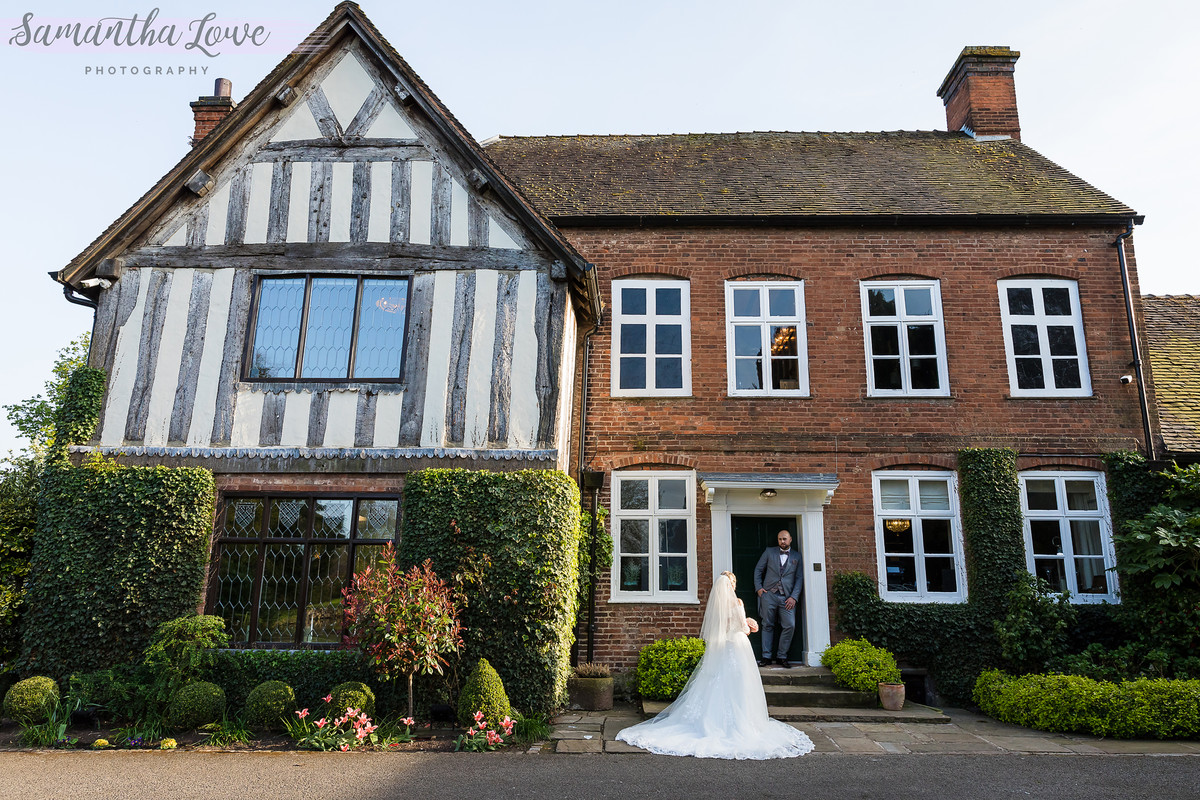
722,711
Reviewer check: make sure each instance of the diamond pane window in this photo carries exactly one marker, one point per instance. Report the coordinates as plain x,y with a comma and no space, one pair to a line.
283,561
1068,539
918,539
654,536
905,338
329,328
766,346
1043,338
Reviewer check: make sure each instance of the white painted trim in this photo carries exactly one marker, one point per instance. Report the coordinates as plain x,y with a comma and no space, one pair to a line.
919,556
124,368
764,321
650,319
1042,321
204,408
258,207
807,504
616,594
170,354
296,413
379,221
387,418
481,366
899,321
441,326
298,201
420,224
1062,514
340,419
523,402
340,200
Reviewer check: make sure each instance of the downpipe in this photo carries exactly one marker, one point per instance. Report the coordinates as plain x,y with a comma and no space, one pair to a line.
1133,340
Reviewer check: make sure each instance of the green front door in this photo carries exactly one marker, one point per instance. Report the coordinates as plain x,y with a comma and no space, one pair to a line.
751,536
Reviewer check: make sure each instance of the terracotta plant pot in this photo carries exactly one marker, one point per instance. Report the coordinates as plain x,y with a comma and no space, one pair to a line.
891,696
590,694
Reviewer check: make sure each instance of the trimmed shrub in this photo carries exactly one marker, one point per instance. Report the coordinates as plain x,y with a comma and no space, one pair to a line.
269,704
309,672
351,694
859,665
509,542
182,651
196,704
1144,708
31,700
664,666
483,691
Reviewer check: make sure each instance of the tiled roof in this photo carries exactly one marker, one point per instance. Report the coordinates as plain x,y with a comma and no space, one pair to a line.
1173,341
924,173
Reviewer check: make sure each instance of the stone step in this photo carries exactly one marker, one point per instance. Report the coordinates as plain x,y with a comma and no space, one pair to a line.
912,712
795,676
819,695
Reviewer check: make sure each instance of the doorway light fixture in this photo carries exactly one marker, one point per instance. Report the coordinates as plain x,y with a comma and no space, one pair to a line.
766,494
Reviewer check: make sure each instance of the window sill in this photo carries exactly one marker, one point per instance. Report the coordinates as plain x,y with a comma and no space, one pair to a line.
658,600
893,597
1019,397
321,386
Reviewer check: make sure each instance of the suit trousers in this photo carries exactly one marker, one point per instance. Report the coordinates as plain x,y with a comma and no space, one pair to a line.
770,611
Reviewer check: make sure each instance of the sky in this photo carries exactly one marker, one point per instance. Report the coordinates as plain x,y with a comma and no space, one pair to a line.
1106,89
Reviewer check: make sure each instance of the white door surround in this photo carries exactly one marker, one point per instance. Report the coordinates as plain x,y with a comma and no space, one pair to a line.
803,496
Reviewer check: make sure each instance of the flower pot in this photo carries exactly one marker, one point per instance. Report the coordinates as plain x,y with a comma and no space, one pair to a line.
891,696
590,694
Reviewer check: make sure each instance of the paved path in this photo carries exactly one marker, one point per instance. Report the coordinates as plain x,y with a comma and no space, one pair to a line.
967,733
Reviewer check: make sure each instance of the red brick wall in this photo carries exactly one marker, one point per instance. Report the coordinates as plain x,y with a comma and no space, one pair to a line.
838,428
987,104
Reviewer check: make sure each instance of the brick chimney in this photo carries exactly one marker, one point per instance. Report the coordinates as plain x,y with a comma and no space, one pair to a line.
209,111
980,95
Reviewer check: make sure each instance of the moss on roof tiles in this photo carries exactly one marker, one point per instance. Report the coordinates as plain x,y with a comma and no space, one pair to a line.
923,173
1173,342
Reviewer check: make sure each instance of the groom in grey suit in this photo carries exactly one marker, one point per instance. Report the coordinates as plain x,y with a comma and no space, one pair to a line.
778,579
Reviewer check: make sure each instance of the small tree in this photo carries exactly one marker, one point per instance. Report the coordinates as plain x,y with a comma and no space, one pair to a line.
402,621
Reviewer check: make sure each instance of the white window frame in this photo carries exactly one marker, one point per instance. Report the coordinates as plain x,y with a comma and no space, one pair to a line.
917,514
764,320
653,514
1042,321
650,319
1064,516
901,320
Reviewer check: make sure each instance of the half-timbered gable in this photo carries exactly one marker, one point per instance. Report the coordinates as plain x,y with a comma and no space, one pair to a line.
335,271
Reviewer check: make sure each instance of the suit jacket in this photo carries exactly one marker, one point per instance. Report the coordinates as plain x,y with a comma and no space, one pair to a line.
767,572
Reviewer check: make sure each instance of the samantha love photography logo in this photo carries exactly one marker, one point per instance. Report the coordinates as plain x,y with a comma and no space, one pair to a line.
206,35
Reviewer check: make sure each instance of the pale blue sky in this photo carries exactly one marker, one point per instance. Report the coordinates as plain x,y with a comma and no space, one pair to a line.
1107,89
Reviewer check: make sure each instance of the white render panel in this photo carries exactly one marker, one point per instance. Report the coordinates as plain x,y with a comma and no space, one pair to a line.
458,214
297,230
178,238
247,418
497,237
339,426
421,204
170,354
433,420
299,125
479,370
523,399
346,88
124,369
295,420
258,209
379,225
387,419
204,409
390,124
339,211
218,214
566,388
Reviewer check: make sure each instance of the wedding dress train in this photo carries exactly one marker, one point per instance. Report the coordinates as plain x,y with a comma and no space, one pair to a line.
722,711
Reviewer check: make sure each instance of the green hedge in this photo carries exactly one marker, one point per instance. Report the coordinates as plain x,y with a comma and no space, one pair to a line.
990,497
310,673
663,667
509,542
1144,708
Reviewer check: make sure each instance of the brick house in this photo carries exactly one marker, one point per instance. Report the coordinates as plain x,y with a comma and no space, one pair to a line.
1173,343
804,328
337,286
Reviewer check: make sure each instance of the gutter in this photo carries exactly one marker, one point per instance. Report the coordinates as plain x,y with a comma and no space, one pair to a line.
73,297
1133,339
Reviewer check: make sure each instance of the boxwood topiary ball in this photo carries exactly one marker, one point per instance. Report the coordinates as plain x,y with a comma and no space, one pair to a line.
483,691
269,704
196,704
351,694
29,701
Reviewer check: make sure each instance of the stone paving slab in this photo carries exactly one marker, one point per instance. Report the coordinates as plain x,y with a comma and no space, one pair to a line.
1026,744
579,746
953,748
857,745
614,725
613,746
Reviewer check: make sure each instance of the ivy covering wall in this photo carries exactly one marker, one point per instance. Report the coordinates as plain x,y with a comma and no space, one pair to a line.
118,550
510,543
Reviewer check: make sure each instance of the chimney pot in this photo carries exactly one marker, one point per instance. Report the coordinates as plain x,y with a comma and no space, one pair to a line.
209,111
980,95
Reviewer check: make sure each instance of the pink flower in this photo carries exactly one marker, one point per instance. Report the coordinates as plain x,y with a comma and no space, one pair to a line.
362,734
351,712
363,717
345,747
302,713
478,716
493,738
408,721
321,723
482,725
328,698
